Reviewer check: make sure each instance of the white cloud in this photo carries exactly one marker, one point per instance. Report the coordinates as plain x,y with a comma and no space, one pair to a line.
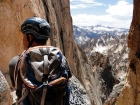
85,19
119,15
122,8
78,4
106,20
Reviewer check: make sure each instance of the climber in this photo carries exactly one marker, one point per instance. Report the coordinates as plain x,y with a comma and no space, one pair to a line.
36,32
33,35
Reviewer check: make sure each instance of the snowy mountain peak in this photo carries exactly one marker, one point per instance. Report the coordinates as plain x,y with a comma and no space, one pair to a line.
84,33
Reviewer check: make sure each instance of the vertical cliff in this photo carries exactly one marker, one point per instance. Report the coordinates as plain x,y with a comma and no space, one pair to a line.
130,95
131,91
13,13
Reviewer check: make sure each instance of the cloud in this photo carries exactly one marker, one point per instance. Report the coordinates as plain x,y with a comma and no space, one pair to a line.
86,19
119,15
79,4
122,8
105,20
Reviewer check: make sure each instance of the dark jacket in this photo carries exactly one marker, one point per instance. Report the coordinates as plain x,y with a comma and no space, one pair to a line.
12,65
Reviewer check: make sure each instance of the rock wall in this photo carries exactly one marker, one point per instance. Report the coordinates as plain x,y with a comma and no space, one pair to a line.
87,76
5,93
130,94
13,13
78,93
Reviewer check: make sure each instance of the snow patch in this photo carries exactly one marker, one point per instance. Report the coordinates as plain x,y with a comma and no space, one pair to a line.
100,49
121,75
119,49
125,56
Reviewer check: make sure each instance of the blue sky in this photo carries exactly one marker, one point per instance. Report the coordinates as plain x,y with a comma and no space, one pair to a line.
113,13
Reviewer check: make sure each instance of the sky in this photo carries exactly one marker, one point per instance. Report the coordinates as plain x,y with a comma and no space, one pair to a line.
113,13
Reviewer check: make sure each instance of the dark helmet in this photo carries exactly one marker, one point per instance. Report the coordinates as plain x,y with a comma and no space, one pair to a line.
36,26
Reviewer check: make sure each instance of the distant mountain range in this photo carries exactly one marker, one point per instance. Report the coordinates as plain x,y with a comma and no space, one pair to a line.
109,41
85,33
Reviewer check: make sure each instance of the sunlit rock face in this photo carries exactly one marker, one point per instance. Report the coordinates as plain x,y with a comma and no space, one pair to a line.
130,94
13,13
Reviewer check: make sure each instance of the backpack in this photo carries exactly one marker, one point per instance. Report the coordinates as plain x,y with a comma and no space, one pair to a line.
41,75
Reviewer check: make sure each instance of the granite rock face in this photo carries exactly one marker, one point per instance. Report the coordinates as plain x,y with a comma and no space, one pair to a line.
5,92
13,13
78,95
130,94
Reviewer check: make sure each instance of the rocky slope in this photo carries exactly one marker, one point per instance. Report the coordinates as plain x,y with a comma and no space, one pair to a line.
79,95
115,48
109,58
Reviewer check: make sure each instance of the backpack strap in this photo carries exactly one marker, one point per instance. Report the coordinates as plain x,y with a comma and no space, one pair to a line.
44,94
17,68
45,52
25,93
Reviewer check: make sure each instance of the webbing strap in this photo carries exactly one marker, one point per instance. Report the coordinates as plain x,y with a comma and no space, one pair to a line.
43,95
17,68
25,93
46,71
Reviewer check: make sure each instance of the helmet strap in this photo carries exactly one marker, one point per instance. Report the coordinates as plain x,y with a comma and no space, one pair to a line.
30,41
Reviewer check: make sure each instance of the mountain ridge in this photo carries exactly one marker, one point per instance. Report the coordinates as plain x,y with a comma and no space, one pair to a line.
109,58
